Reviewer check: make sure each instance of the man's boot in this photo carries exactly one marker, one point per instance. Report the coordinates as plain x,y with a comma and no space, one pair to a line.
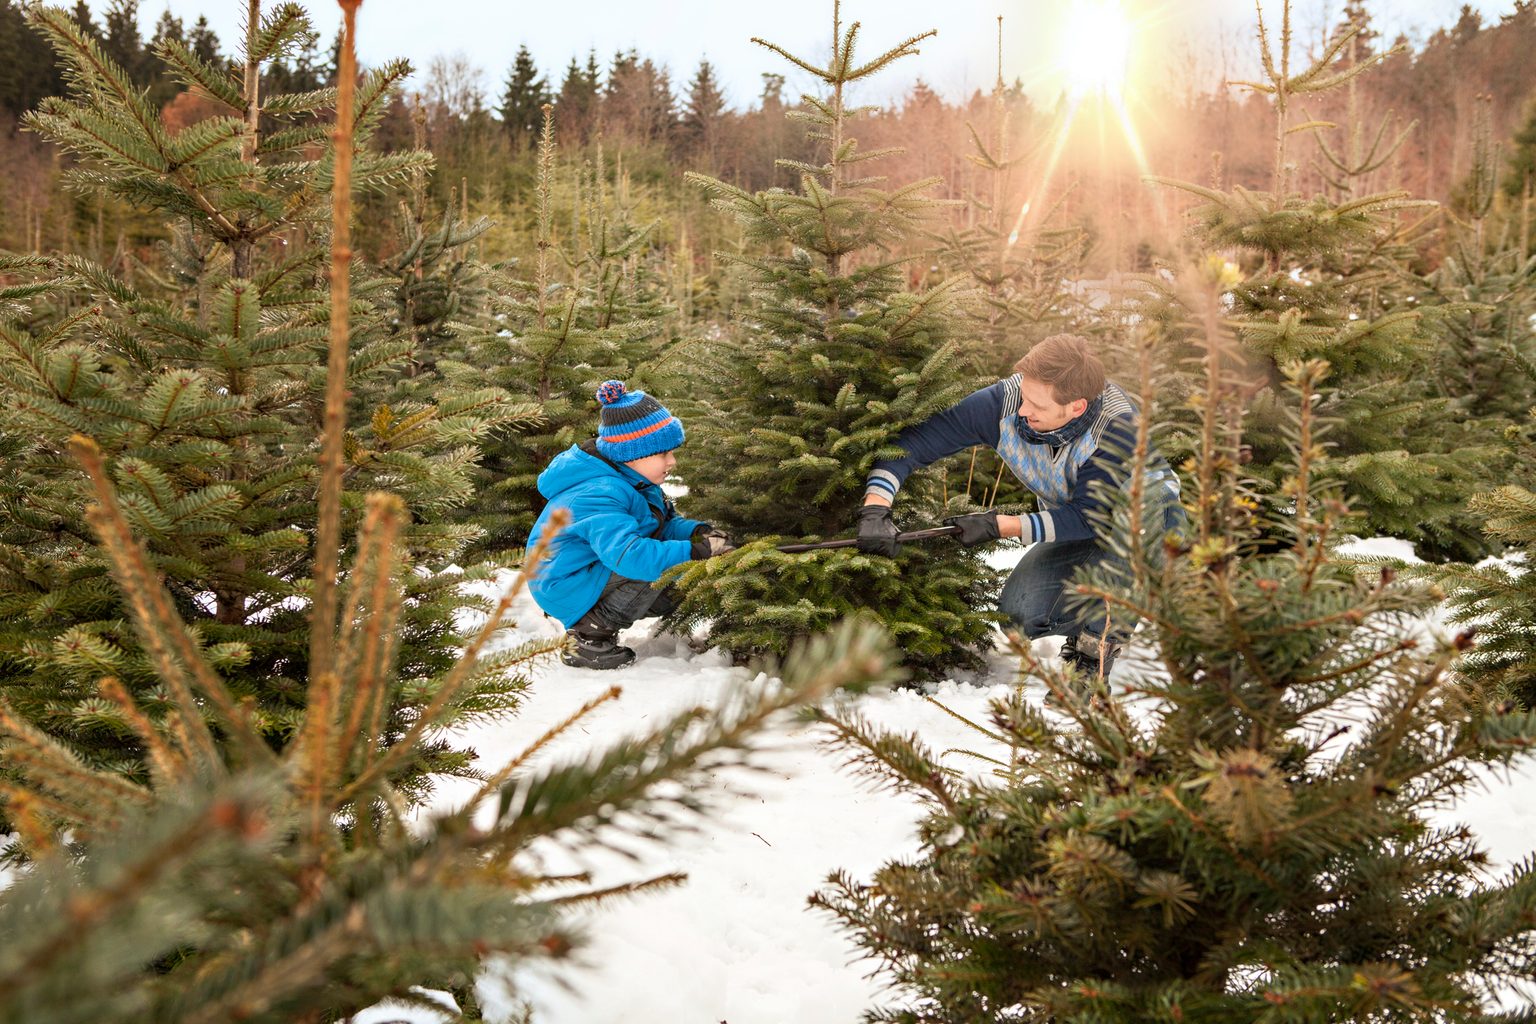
1090,655
596,649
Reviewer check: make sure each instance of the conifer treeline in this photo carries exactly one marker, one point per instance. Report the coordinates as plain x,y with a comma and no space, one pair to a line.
483,137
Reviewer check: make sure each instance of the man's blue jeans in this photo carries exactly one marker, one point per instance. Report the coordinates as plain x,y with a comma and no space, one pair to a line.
1040,600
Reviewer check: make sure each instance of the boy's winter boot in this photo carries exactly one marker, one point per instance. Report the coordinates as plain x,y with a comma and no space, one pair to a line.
1090,654
596,649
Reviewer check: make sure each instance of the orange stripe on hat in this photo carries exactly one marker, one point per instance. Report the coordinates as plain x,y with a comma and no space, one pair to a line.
621,438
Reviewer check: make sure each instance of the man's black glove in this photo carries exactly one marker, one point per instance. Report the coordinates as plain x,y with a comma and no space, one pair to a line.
976,528
707,542
877,531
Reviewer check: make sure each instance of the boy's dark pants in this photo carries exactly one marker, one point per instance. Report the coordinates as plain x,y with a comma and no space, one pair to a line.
623,601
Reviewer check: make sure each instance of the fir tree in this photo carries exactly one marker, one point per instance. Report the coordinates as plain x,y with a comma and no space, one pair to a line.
1480,298
1351,168
703,116
637,104
1012,254
1498,598
835,361
167,30
1356,16
577,320
203,42
80,14
522,100
1521,180
120,40
1477,303
1250,833
232,882
202,391
441,287
1326,278
28,71
578,101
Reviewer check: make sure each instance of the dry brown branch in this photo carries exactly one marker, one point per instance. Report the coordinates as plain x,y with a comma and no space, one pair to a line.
332,449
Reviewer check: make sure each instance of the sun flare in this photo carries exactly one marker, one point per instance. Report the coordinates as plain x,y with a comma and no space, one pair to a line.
1093,60
1095,48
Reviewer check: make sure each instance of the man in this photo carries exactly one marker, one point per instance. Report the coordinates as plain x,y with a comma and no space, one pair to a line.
1067,433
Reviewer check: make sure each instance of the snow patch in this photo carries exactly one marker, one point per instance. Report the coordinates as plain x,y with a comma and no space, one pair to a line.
737,942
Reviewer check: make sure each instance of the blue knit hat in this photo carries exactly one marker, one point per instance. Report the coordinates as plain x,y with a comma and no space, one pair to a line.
633,425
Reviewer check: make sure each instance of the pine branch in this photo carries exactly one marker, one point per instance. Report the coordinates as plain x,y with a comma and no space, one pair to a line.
160,627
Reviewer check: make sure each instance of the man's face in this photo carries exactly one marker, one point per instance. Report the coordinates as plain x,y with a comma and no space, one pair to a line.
1039,408
654,467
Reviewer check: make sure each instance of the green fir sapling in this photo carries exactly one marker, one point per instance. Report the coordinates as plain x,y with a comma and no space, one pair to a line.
1251,832
833,360
203,392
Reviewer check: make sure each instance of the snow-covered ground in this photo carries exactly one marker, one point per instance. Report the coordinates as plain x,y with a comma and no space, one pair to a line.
737,943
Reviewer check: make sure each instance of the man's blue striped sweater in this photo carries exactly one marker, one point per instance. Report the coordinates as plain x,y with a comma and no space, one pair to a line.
980,418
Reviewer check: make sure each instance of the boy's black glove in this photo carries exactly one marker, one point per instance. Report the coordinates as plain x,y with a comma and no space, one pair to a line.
709,542
877,531
976,528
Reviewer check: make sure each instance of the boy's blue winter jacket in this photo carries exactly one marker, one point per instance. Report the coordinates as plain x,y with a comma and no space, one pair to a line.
620,522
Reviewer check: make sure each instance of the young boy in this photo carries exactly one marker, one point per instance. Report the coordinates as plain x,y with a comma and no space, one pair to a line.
624,532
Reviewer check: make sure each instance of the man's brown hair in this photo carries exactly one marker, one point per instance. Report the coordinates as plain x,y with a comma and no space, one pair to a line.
1068,364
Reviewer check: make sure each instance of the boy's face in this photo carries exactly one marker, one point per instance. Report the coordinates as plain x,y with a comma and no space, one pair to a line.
654,467
1040,409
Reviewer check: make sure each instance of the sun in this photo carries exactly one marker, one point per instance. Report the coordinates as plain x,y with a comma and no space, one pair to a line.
1093,58
1095,48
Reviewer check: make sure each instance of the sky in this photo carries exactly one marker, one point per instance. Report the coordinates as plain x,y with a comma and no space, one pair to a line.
678,33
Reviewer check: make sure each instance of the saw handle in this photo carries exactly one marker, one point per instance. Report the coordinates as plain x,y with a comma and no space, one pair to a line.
901,538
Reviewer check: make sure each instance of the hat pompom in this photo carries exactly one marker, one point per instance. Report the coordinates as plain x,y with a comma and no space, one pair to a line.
611,391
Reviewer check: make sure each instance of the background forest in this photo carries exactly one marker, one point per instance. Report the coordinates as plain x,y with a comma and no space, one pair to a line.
482,124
